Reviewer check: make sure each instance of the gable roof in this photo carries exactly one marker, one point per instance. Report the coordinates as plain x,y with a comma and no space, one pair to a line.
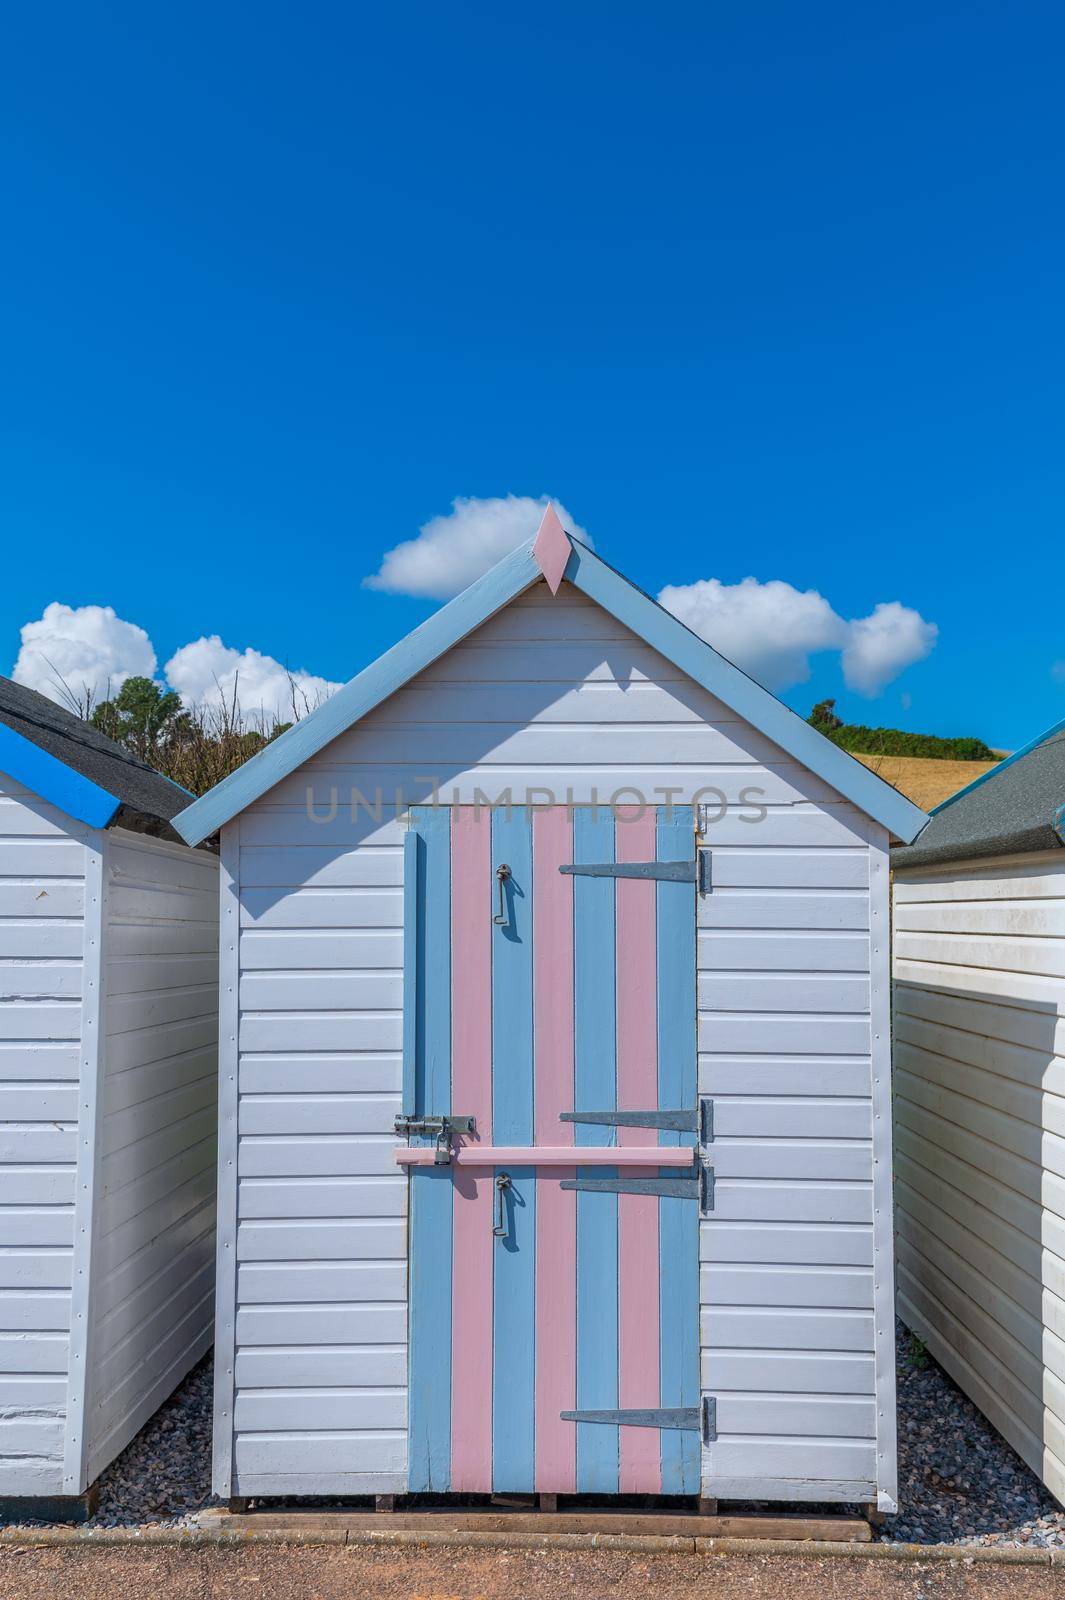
72,765
1016,807
474,606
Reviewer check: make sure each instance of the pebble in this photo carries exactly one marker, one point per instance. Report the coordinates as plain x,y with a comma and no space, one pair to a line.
959,1481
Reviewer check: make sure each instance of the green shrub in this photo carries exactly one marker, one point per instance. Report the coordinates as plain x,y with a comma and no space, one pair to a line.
856,736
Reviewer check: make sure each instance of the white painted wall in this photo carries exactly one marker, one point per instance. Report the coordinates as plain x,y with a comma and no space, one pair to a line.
979,958
554,693
42,875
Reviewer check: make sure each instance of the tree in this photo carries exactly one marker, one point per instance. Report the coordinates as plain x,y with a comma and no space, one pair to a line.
823,716
143,718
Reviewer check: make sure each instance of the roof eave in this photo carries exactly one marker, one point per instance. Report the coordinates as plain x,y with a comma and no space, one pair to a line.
54,781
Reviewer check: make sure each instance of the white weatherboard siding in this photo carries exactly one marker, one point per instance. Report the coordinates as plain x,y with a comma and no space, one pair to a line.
554,695
152,1260
42,932
979,958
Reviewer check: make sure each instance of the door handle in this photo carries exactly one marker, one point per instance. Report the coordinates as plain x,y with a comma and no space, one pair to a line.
502,874
499,1231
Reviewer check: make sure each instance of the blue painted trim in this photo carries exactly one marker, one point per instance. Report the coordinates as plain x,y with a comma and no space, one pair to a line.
514,1339
54,781
383,677
595,1084
431,1188
474,606
678,1220
412,870
658,628
1059,823
1007,761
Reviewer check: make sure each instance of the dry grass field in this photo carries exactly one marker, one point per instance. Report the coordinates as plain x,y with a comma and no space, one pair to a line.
926,782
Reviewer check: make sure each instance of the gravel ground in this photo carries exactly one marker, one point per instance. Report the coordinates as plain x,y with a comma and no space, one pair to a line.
960,1483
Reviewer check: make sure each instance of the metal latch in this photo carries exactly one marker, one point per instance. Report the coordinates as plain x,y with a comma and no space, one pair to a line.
444,1129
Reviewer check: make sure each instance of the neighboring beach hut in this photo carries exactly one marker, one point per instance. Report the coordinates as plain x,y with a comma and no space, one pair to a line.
467,900
980,1096
108,1079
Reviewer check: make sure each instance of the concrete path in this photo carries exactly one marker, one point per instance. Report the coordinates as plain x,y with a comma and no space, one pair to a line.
360,1572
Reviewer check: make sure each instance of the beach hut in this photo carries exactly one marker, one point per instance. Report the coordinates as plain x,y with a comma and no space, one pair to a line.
979,941
483,1228
108,1080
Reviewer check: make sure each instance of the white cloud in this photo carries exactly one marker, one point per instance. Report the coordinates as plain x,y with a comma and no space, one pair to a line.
883,644
79,652
772,629
451,551
206,672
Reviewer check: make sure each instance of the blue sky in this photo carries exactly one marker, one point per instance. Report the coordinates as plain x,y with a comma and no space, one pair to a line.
765,290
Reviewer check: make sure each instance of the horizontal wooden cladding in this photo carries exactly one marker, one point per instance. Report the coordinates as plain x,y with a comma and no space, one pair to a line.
807,1117
321,991
30,1144
846,994
301,1409
35,1225
1014,1187
827,1288
170,1041
766,910
1006,878
28,1392
785,1244
146,938
1012,988
323,1239
41,858
142,974
1024,1399
300,1326
1040,954
38,1061
158,865
792,1078
1021,1138
350,1366
38,1102
136,1085
127,1012
322,1197
300,1073
41,1019
340,950
808,1461
23,815
810,1373
38,1186
750,1200
786,1033
40,938
39,1311
968,1272
35,1268
321,1113
317,1031
1042,1108
132,1125
522,703
1013,1022
32,1353
780,1160
813,1416
348,908
776,1328
35,1437
774,869
990,919
318,1282
1020,1064
733,950
31,898
279,1457
326,865
314,1156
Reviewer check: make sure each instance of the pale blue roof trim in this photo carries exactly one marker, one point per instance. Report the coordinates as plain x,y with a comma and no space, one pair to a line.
474,606
383,677
54,781
993,772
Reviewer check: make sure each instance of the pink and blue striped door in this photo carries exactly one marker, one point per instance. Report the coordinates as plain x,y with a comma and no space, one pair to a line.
580,997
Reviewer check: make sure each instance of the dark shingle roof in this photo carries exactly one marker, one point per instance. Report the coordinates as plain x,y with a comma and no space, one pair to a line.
145,796
1013,809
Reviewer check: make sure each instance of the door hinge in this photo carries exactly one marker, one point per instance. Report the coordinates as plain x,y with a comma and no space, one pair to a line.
681,1417
677,1121
699,1186
709,1419
695,870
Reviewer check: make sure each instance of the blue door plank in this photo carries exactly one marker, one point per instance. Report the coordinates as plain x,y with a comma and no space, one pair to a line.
595,1075
431,1198
677,1086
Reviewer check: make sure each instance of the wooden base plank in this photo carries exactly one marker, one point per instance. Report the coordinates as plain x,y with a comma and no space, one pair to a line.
841,1529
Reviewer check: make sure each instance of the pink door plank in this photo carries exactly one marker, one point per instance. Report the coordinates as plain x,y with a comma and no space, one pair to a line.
552,974
471,945
556,1333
